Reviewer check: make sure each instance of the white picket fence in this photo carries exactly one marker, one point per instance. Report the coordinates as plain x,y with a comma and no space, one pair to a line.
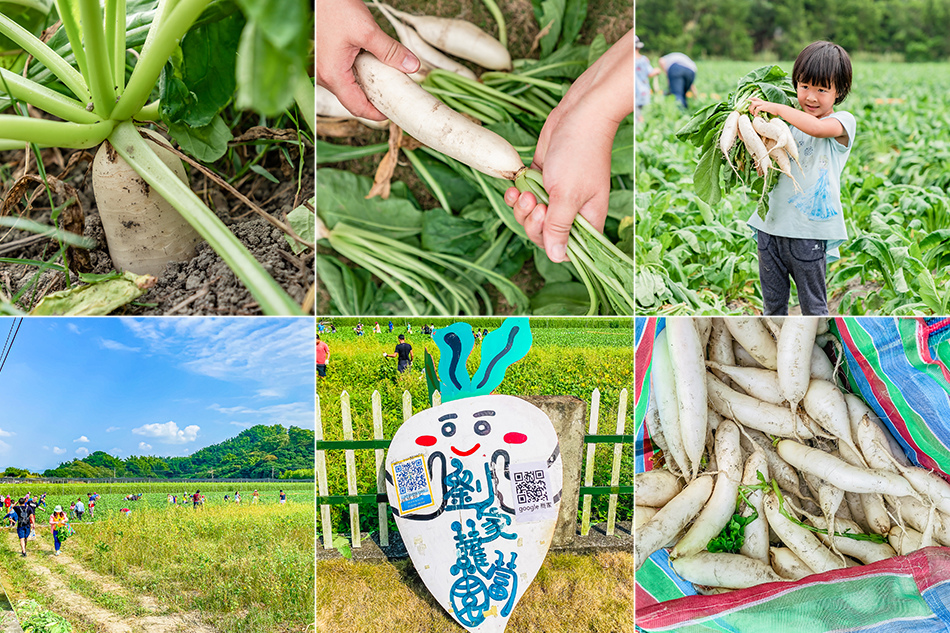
376,404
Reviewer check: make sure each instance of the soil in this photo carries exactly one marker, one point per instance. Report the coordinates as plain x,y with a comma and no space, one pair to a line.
204,285
43,565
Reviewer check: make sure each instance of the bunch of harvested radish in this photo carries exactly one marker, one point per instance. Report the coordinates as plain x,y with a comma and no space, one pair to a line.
766,470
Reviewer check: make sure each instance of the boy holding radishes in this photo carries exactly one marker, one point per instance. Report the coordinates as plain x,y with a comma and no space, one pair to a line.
805,223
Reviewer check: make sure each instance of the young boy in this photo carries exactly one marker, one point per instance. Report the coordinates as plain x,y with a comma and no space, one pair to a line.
805,225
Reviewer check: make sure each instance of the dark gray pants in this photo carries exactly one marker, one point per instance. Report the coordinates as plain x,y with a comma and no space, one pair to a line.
785,258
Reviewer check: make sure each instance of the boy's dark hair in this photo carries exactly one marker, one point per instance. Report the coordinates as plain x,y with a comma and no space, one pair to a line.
824,64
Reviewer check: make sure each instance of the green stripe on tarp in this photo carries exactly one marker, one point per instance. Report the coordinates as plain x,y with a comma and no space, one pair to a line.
849,604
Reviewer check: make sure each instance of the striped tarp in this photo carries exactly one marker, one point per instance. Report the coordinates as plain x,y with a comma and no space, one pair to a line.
899,367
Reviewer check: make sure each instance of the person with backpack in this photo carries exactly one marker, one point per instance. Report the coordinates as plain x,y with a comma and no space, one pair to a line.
59,524
24,524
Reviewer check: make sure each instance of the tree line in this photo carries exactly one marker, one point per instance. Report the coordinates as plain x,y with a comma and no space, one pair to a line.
256,453
742,29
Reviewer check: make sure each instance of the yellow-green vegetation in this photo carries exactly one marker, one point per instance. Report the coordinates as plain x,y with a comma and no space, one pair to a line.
567,357
244,568
591,593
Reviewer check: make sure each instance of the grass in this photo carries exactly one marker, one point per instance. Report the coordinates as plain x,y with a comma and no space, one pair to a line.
593,593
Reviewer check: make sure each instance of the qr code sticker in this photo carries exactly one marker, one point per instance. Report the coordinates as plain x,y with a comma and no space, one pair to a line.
531,486
411,479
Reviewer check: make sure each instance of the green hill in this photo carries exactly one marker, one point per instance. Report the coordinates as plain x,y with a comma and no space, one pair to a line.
257,452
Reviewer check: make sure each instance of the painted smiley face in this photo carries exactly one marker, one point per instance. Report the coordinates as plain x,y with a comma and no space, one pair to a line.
462,444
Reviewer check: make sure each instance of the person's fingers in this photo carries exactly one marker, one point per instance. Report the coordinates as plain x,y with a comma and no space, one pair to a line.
524,206
391,52
354,99
534,224
557,226
511,196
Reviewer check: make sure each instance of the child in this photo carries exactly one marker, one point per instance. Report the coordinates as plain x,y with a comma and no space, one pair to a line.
804,226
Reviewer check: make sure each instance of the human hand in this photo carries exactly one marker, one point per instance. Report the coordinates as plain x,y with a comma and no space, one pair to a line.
573,152
757,105
344,27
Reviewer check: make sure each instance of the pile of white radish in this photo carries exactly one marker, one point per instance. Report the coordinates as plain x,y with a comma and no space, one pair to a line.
749,420
765,140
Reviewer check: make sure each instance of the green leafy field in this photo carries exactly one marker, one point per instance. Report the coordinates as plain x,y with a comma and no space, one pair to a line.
591,353
692,258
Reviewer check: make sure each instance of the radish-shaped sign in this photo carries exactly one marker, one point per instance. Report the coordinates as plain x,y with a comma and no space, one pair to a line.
475,483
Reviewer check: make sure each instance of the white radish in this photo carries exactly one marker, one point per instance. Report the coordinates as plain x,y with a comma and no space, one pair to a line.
829,498
904,540
865,551
642,514
857,409
929,484
730,128
671,519
875,513
144,232
874,447
821,366
856,508
752,335
825,403
756,534
754,145
793,353
686,354
843,474
769,130
921,518
787,565
652,421
722,503
719,349
761,384
655,487
704,327
433,123
733,571
460,38
329,106
661,380
421,48
798,539
768,418
785,475
782,163
744,358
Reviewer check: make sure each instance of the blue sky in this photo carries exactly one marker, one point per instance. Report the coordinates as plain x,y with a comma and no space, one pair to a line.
150,386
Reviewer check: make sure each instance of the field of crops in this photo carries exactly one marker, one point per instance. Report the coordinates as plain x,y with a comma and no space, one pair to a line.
233,567
691,258
573,359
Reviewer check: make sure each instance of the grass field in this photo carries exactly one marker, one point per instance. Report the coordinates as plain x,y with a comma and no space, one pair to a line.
219,568
692,258
571,360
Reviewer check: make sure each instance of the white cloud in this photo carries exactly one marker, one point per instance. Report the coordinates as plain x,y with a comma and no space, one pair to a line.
287,414
6,433
73,328
169,432
46,448
144,447
113,428
117,346
269,393
81,438
115,451
58,451
4,447
82,451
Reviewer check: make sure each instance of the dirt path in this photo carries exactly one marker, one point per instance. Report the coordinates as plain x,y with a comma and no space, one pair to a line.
42,564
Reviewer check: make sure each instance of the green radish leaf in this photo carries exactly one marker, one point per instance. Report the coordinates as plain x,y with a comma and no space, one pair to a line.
303,221
333,153
551,21
199,83
96,299
445,233
457,189
551,271
575,11
597,48
265,73
561,299
340,199
621,155
207,144
706,176
342,545
620,205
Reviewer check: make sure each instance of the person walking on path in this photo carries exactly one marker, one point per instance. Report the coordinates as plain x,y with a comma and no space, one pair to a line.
323,355
25,522
59,524
80,508
403,353
680,73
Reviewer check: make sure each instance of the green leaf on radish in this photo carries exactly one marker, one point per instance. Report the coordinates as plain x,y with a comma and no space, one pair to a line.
303,221
208,143
340,199
95,299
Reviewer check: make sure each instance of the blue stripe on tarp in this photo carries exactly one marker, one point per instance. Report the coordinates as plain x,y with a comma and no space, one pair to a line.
938,599
661,558
912,625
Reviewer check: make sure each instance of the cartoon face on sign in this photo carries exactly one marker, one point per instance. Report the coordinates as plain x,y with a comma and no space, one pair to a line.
475,486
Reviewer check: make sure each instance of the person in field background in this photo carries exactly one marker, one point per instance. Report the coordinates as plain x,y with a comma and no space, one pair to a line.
59,524
25,522
323,357
805,222
680,74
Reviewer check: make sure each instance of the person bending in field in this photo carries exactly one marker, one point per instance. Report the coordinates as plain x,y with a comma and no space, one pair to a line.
574,150
59,524
805,223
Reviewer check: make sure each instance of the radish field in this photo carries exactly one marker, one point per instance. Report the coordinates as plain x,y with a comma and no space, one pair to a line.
692,258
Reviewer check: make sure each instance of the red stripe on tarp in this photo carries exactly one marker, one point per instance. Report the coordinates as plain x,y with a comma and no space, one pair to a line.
879,389
928,567
923,346
642,356
643,597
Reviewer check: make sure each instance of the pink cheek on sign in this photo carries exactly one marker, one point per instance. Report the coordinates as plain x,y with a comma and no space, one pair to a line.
425,440
515,438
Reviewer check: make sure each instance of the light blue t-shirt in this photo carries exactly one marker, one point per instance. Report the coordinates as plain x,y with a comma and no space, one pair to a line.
813,210
643,70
